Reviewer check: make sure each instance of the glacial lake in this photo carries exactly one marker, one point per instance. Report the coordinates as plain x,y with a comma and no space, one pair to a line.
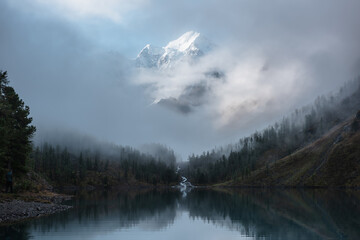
200,214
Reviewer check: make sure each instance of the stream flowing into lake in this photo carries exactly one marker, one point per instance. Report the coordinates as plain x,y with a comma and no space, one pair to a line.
199,214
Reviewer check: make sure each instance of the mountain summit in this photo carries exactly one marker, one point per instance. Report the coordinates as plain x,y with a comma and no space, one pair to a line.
190,46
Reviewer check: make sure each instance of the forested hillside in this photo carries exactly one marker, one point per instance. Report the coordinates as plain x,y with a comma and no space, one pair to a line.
121,166
331,161
266,147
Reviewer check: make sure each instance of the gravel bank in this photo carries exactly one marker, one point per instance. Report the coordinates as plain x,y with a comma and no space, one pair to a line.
17,210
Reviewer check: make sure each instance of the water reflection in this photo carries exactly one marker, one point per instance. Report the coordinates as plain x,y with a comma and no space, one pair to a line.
256,213
281,214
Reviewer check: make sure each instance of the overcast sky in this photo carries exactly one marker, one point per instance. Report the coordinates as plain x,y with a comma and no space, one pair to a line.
70,60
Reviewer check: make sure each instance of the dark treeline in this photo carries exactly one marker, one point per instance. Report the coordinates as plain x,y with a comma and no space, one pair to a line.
276,141
87,167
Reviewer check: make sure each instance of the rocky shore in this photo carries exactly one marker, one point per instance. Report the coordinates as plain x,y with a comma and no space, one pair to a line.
14,210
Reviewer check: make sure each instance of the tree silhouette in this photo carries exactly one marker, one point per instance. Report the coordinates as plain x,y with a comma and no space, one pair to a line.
15,128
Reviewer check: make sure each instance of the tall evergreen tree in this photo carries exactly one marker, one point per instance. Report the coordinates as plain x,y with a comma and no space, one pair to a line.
15,128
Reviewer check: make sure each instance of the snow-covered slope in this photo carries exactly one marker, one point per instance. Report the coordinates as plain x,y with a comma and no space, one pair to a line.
149,56
188,47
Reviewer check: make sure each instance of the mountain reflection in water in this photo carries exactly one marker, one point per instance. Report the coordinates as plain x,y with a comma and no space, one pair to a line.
252,213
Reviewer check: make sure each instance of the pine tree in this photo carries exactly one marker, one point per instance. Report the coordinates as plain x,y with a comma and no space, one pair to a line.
15,128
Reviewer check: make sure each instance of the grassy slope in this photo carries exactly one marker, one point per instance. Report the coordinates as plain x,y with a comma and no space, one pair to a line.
331,161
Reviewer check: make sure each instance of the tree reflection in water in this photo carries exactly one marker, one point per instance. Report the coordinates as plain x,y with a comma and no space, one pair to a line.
260,213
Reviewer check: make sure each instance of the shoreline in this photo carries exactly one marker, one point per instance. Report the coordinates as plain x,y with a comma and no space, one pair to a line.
16,208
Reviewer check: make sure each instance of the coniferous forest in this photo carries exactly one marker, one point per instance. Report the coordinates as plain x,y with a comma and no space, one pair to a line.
126,166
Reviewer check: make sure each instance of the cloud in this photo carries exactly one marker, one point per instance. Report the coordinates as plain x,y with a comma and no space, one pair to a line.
114,10
191,97
229,90
176,105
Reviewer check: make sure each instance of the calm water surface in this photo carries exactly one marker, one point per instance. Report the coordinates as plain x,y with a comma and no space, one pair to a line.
200,214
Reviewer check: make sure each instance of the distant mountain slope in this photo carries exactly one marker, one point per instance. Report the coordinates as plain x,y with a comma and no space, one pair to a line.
331,161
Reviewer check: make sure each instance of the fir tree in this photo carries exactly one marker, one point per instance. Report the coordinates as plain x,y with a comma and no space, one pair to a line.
15,128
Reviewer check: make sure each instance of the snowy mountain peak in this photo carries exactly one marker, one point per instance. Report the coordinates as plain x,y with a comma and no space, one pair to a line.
187,47
184,42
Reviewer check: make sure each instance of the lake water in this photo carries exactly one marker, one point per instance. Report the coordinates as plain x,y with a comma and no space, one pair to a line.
200,214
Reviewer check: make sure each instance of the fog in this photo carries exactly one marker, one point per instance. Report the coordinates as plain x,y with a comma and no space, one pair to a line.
71,62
